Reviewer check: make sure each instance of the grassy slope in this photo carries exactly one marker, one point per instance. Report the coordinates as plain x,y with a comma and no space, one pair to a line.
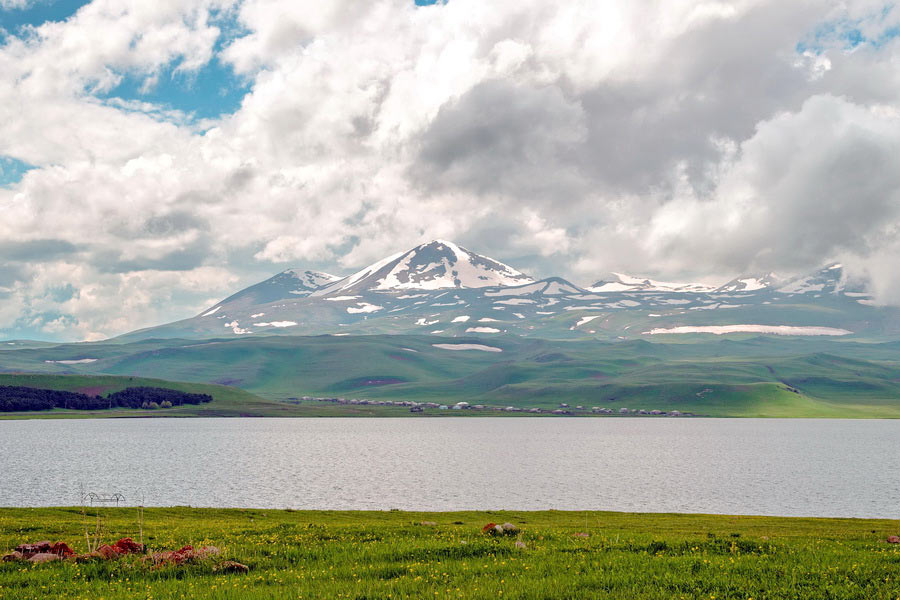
740,376
392,555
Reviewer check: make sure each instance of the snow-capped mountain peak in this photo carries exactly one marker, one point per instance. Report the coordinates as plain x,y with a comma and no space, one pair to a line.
311,279
436,265
752,283
620,282
831,279
292,283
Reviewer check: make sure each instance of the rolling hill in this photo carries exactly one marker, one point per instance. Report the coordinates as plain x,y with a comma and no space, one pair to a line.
731,376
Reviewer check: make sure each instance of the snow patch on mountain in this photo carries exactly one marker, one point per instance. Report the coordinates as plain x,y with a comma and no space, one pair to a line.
236,328
363,307
277,324
79,361
772,329
481,347
584,320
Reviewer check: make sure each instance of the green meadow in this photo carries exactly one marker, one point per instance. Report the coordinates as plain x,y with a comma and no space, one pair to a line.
369,555
738,376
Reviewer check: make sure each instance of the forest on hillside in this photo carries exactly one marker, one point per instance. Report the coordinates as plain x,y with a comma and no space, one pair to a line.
21,398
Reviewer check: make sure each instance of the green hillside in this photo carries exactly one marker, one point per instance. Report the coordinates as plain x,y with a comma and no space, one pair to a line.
702,374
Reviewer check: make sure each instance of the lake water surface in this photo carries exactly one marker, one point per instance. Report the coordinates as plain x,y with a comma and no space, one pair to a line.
847,468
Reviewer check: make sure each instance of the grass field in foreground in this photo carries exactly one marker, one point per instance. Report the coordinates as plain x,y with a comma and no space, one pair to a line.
368,555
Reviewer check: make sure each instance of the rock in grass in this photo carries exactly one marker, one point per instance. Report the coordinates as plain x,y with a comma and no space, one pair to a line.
520,544
128,546
12,557
229,566
893,539
207,551
62,550
35,548
106,552
43,557
510,529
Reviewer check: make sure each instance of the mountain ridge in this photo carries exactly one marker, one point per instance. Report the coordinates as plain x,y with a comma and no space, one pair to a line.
441,288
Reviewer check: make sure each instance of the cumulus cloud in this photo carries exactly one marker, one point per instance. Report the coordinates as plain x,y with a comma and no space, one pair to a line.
669,138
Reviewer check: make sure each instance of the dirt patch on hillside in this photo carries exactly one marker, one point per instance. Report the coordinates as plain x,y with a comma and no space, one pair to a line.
93,390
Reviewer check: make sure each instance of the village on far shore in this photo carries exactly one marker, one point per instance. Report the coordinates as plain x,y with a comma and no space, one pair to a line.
564,408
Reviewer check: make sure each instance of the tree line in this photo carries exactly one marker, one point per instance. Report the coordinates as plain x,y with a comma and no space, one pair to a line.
20,398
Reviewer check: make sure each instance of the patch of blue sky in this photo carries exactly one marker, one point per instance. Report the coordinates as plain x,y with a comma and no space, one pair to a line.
850,34
429,2
34,326
36,12
207,93
12,170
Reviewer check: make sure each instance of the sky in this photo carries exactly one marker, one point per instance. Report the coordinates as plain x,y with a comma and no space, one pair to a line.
155,157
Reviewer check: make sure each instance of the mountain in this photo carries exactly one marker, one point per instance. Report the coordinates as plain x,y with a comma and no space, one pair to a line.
620,282
440,288
751,283
828,280
292,283
436,265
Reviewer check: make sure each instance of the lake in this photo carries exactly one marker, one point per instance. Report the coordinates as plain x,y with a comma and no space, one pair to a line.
845,468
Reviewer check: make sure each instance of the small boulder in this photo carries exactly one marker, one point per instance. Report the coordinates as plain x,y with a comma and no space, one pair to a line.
520,544
229,566
893,539
43,557
580,535
62,550
510,529
490,528
128,546
35,548
207,551
12,556
107,552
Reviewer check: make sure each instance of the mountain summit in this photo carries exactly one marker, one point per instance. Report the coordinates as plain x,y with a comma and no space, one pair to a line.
292,283
432,266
